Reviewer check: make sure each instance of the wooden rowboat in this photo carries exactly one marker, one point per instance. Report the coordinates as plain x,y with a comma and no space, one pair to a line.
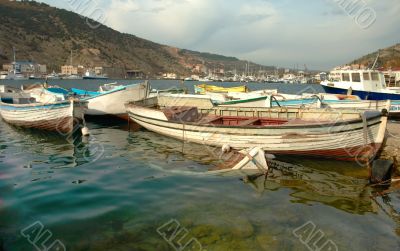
63,116
248,161
340,134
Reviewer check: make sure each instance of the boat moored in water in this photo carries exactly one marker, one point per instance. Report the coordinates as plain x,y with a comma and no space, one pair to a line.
112,101
367,84
93,76
203,88
24,110
339,134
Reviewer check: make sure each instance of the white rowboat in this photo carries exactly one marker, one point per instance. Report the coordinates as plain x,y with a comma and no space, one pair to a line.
63,117
340,134
113,102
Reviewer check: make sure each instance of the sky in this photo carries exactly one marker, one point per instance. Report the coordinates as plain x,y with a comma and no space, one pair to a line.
320,34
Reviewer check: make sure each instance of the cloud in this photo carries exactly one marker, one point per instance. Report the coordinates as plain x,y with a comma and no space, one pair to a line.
272,32
185,23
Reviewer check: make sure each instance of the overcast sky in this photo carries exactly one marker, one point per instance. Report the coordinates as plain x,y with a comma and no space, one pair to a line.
318,33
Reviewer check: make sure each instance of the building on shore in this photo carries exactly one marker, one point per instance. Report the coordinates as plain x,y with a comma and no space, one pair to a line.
134,74
170,75
69,70
7,67
80,70
98,70
27,68
199,69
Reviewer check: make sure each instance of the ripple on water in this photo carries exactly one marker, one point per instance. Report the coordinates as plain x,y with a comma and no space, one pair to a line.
119,200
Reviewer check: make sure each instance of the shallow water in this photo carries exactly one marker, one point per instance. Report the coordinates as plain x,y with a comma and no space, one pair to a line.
121,190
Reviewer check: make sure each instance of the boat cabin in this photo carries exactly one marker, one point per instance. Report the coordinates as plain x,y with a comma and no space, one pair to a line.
362,80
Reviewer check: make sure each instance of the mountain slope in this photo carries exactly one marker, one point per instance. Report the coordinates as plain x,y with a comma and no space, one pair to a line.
47,35
388,58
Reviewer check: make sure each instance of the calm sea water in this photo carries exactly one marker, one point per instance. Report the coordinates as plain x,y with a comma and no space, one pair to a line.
122,190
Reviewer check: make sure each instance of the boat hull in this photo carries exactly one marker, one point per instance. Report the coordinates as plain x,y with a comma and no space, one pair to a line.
203,88
394,109
94,78
349,141
113,103
363,94
62,117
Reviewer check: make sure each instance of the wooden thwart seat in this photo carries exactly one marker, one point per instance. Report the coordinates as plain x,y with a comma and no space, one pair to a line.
248,122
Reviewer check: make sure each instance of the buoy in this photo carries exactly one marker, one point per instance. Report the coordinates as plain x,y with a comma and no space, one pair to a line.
226,148
85,131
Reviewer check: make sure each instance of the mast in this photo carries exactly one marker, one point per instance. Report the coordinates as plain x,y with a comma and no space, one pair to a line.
376,61
14,53
71,58
15,62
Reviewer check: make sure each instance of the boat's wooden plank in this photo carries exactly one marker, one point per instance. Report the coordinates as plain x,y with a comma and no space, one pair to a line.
208,120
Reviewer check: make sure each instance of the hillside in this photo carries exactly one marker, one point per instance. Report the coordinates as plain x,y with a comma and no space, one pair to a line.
388,58
47,35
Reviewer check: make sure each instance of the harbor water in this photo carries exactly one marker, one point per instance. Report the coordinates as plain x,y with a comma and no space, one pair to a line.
124,189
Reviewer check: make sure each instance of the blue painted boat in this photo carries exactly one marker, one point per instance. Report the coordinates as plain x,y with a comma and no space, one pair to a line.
367,84
84,92
365,95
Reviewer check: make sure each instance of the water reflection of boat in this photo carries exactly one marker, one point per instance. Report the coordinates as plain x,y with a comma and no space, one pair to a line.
46,152
310,181
349,193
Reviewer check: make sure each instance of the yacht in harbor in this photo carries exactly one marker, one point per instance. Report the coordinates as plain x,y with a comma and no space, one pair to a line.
368,84
92,75
72,77
53,75
15,75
